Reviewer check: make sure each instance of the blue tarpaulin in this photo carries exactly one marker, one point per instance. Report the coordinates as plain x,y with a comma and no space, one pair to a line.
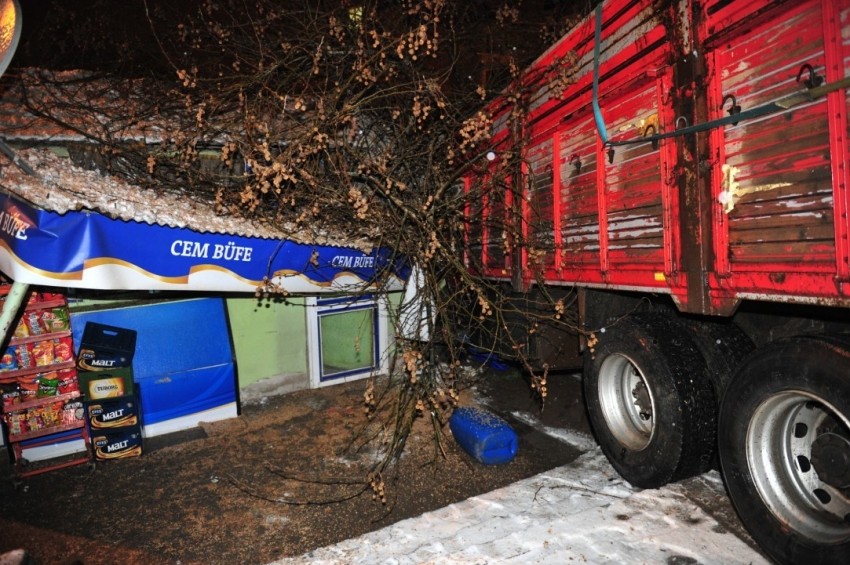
183,362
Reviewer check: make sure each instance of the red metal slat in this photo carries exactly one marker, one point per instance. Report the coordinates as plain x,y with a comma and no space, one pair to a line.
556,199
634,185
541,216
669,196
508,231
722,17
785,284
485,229
719,193
836,102
578,193
602,202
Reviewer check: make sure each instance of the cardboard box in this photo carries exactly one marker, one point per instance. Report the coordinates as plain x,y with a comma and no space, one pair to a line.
104,348
112,414
117,445
106,384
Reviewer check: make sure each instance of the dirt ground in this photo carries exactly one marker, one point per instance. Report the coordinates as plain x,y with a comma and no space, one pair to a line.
228,492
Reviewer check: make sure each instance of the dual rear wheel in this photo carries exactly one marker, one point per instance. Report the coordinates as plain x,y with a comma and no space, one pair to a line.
784,442
652,384
650,401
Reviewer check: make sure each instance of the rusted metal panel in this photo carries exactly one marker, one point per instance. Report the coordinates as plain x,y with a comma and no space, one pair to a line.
776,177
620,202
631,30
579,206
633,182
540,216
781,210
757,208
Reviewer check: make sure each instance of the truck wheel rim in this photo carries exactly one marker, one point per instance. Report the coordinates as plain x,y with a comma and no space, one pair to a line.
780,438
626,401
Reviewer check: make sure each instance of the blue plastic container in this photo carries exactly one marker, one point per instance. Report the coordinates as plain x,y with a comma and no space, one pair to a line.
486,437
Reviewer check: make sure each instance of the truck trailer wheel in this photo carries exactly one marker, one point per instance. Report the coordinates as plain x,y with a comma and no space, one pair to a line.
649,401
723,346
784,443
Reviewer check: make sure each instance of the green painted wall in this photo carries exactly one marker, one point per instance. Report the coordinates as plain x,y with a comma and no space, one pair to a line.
269,339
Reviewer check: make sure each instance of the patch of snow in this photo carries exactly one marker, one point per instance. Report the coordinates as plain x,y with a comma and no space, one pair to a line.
580,441
582,511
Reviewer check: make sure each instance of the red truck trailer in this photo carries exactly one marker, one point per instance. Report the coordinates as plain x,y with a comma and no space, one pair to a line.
681,167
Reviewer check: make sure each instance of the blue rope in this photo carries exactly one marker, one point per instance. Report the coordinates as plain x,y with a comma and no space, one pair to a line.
597,40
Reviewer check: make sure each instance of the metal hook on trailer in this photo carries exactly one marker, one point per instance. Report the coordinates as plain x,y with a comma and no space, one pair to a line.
652,139
734,108
575,161
814,79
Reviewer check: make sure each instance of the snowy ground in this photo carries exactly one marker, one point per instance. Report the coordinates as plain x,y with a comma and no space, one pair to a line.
581,512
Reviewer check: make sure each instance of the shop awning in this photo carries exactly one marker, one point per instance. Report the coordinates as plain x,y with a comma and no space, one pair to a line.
89,250
86,248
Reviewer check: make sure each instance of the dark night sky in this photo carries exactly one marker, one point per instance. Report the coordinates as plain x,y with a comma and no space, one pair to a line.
86,33
114,35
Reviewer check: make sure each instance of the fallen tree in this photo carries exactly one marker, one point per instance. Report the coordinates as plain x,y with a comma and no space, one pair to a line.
361,118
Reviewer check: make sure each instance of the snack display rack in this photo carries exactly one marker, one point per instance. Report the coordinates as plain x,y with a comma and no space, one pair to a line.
41,395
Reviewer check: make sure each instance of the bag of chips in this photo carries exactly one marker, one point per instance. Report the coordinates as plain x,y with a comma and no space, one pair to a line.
68,381
9,360
48,385
42,353
11,394
63,350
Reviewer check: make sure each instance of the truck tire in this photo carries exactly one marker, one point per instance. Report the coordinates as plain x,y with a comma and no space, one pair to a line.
649,401
784,445
723,346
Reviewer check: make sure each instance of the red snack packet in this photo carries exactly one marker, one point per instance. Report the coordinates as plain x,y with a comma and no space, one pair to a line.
29,387
11,394
63,350
68,381
33,322
42,352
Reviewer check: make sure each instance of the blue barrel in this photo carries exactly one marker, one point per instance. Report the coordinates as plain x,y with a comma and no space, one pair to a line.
486,437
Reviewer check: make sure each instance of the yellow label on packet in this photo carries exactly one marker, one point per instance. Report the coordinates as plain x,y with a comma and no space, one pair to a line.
106,388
